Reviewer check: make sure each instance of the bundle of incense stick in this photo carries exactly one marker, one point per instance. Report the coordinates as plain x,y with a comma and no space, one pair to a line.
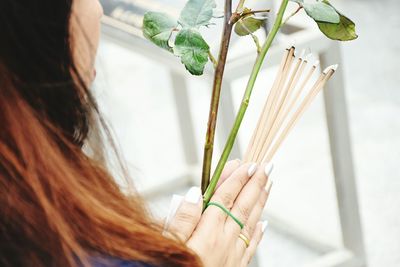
291,93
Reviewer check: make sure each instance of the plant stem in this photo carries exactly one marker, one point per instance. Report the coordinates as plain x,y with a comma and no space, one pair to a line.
245,102
240,6
216,93
291,15
255,38
256,42
212,59
252,12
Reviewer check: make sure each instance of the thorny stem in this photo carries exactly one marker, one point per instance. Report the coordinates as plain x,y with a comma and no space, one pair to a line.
245,102
216,92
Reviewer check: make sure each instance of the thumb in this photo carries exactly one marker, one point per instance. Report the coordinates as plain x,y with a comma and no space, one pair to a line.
187,216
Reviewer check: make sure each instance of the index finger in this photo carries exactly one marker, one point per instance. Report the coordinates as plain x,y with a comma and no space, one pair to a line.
229,168
228,192
248,197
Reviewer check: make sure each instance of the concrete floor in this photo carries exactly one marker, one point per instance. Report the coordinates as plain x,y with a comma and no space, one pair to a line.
141,110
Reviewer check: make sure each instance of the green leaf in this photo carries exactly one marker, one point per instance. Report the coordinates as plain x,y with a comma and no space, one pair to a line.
248,25
345,30
197,13
157,27
321,12
192,49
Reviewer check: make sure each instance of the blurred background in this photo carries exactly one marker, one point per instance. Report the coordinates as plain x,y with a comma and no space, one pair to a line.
320,213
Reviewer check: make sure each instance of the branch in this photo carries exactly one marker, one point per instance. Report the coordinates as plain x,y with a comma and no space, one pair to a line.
253,12
216,92
236,16
255,38
291,15
212,59
245,102
240,6
256,42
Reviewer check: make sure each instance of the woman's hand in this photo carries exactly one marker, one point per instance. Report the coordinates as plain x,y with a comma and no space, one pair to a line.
185,212
214,236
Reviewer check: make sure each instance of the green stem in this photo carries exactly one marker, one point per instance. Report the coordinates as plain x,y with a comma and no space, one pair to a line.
240,6
253,12
212,59
256,42
255,38
245,102
291,15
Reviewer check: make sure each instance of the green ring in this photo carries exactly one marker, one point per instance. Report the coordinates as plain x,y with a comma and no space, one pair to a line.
227,212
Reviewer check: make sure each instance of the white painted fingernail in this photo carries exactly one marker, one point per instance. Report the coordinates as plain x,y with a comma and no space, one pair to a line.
264,226
268,169
173,208
252,169
269,186
175,203
193,195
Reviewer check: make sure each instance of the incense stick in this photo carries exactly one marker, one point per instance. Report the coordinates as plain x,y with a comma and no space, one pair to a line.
307,101
288,108
297,71
285,105
280,115
257,133
275,93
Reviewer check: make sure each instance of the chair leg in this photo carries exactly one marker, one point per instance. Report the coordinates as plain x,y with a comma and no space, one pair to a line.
342,161
227,117
181,96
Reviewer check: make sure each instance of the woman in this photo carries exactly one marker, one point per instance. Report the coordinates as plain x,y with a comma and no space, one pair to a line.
60,207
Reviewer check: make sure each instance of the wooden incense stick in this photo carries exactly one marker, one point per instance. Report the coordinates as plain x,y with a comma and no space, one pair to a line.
271,105
265,125
292,81
306,102
286,111
256,134
285,105
268,102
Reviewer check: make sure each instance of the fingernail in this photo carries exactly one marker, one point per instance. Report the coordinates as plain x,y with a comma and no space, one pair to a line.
175,203
264,226
252,169
238,161
193,195
173,207
268,169
268,186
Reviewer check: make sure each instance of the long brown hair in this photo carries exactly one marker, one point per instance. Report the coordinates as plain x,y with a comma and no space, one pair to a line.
58,206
